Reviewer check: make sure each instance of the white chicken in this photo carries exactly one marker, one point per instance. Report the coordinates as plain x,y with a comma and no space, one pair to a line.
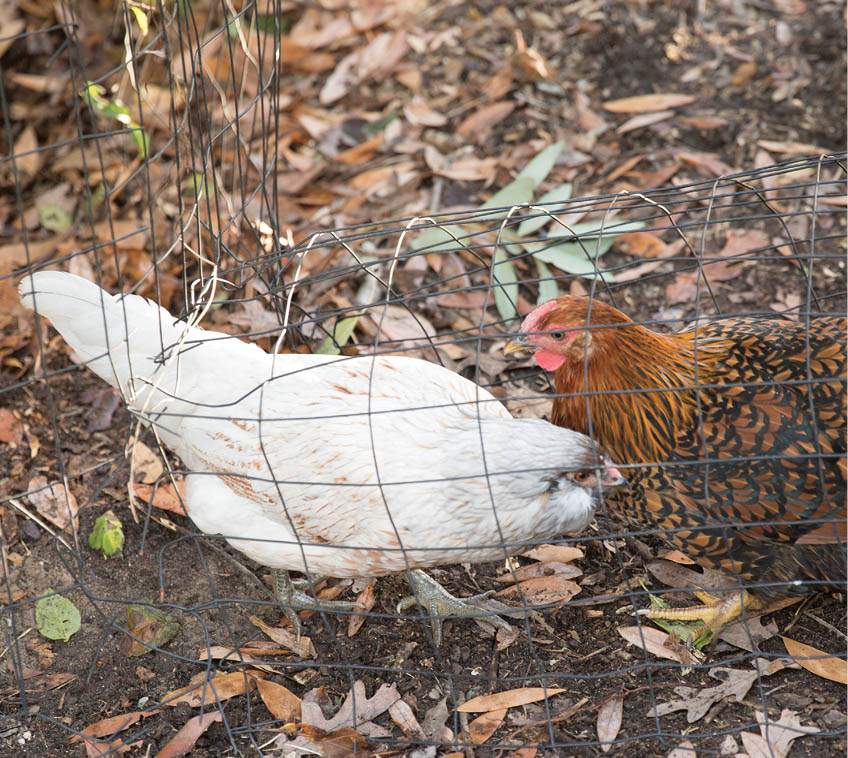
346,467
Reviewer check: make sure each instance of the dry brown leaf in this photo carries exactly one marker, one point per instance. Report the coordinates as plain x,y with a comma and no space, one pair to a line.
303,647
183,741
499,84
543,590
555,553
207,692
26,156
508,699
485,117
609,721
776,737
403,716
360,153
643,120
166,497
541,569
366,599
636,272
281,701
379,56
11,428
147,467
697,701
818,662
468,169
340,743
418,113
525,752
642,244
653,640
356,704
684,750
704,122
531,63
53,502
486,725
709,162
791,148
109,726
648,103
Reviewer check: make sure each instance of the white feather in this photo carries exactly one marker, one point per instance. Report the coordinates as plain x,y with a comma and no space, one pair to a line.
346,466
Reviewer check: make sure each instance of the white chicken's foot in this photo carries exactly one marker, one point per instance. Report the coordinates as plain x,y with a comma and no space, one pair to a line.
293,600
438,602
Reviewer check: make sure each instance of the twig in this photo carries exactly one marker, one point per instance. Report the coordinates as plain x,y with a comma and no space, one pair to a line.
22,509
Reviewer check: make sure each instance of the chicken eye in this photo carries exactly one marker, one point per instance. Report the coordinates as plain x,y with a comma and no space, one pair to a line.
558,336
581,476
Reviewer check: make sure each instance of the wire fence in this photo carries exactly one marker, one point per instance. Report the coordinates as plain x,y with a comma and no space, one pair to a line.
371,466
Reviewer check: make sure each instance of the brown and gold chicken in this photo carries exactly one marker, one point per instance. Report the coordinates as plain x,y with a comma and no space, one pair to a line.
735,430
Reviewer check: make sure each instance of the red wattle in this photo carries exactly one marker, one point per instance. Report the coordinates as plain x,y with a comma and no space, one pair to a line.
549,361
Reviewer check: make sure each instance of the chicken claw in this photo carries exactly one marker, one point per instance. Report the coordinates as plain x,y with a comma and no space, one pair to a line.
438,603
293,600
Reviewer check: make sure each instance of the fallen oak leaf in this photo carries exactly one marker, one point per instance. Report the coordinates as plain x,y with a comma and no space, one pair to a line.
183,741
356,704
340,743
485,117
777,736
817,661
540,569
508,699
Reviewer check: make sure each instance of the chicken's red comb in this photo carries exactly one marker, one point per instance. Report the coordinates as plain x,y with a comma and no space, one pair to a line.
534,318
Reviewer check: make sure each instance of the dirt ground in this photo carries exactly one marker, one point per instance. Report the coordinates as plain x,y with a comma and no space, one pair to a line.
793,93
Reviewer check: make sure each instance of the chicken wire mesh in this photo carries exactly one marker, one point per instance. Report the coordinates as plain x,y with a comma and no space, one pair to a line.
200,158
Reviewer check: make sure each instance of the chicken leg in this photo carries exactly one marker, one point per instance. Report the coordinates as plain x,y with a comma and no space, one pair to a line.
715,613
294,600
438,602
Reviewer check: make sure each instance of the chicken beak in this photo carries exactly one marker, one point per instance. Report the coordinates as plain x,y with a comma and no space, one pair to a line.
612,477
519,344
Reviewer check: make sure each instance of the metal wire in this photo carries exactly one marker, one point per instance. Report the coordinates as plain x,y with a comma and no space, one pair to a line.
372,268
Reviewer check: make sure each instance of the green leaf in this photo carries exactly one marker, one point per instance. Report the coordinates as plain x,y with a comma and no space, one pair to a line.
548,288
341,334
268,23
556,195
153,627
56,617
55,218
505,283
517,192
595,229
540,166
682,629
140,19
94,95
569,257
436,240
373,128
107,536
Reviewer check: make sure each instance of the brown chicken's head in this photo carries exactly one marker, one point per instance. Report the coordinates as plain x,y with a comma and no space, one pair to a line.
566,330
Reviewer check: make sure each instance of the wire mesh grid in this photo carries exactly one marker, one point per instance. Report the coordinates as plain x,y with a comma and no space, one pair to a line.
441,288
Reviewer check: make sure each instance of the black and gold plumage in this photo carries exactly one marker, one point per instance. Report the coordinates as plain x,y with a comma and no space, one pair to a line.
736,429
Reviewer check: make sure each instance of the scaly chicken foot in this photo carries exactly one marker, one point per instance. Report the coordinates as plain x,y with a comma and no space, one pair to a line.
293,600
438,602
715,613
